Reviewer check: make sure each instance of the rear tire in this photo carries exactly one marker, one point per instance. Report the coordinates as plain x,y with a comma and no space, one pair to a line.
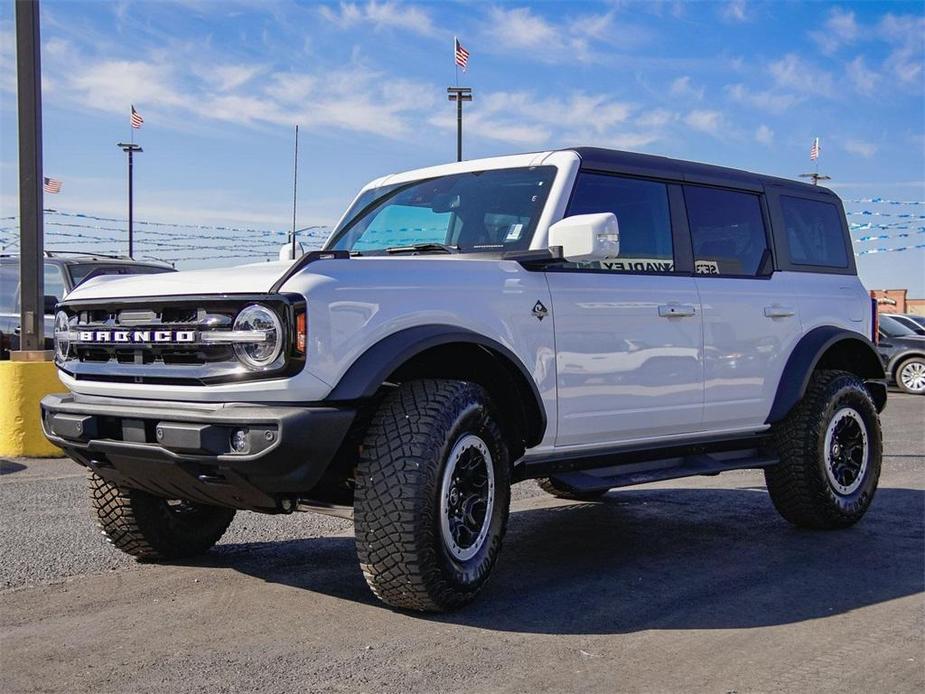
910,376
550,486
432,495
151,528
830,449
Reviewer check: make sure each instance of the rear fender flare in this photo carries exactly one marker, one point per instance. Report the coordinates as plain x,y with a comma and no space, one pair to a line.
810,351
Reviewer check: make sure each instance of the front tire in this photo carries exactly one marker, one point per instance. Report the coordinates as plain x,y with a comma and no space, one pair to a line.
910,376
830,449
154,529
432,495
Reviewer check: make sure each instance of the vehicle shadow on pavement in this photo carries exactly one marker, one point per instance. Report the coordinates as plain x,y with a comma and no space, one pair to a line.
651,559
8,466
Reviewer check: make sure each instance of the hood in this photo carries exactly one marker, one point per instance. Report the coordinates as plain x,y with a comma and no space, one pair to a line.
242,279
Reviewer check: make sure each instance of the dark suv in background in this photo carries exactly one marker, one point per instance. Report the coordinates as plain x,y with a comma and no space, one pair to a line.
903,353
63,272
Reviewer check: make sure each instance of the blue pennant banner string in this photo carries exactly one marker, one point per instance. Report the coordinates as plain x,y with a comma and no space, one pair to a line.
881,201
856,226
871,251
871,213
862,239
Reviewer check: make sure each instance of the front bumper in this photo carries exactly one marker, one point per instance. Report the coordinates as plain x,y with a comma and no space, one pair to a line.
184,450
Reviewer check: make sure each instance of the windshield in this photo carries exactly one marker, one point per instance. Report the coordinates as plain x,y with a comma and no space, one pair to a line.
893,328
483,211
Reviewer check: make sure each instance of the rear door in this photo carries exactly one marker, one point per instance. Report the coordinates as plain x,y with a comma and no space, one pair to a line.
751,317
628,330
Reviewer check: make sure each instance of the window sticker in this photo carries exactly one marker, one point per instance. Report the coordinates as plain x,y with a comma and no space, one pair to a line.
638,264
706,267
514,232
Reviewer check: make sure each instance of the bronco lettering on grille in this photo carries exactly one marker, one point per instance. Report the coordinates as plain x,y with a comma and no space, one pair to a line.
136,336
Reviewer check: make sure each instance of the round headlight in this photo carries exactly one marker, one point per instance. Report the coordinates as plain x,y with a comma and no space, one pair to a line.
264,350
62,342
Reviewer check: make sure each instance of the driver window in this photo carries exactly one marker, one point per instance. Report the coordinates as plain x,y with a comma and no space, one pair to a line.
643,213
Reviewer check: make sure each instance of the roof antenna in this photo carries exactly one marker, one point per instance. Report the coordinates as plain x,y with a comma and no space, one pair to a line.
295,187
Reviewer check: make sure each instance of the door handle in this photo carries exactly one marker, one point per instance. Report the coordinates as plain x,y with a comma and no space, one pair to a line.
676,310
778,311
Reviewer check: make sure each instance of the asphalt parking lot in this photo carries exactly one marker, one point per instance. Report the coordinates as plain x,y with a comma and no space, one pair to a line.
693,585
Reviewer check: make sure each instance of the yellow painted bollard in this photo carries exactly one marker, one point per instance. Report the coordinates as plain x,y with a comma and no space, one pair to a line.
22,385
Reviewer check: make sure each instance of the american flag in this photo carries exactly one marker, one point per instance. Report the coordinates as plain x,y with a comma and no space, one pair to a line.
814,150
462,55
52,185
136,119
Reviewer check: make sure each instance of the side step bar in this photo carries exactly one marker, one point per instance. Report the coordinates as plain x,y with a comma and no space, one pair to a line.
601,479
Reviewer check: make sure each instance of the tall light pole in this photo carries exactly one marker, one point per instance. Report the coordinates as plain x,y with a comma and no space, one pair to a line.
130,148
31,230
459,94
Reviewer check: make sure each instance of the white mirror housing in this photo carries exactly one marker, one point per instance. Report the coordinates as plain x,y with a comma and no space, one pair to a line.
285,251
587,237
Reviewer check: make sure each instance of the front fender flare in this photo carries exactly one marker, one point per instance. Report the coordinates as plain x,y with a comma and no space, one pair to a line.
371,369
808,353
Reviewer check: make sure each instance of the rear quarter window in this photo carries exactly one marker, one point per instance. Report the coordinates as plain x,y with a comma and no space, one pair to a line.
815,235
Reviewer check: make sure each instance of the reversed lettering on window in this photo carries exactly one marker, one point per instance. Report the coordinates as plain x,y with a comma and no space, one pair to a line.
638,265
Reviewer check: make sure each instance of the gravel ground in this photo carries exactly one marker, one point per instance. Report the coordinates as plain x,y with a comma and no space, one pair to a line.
691,585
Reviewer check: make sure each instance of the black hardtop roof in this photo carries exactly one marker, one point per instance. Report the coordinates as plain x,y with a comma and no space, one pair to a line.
598,158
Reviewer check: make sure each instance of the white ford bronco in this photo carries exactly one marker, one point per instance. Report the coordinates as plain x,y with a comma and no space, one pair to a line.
589,318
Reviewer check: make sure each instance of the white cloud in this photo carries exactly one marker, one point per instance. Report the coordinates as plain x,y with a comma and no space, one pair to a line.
354,98
705,121
839,29
792,72
228,77
906,33
7,58
381,15
522,31
863,79
764,135
657,118
682,87
735,11
767,100
525,120
860,148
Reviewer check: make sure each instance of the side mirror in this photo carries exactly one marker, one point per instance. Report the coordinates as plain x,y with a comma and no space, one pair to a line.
285,251
586,237
50,303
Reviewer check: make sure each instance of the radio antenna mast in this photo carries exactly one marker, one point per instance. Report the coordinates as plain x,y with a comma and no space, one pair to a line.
295,186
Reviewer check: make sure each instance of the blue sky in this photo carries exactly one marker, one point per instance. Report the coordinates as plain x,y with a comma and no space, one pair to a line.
220,85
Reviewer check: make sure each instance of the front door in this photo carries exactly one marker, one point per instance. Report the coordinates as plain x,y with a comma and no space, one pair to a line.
628,330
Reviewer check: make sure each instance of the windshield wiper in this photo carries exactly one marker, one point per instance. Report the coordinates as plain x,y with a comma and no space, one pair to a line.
423,248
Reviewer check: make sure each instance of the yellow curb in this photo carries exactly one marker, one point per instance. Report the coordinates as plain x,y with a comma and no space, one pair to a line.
22,385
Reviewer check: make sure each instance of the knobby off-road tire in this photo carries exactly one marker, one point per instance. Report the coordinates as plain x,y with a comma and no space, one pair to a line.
550,486
830,449
151,528
426,458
